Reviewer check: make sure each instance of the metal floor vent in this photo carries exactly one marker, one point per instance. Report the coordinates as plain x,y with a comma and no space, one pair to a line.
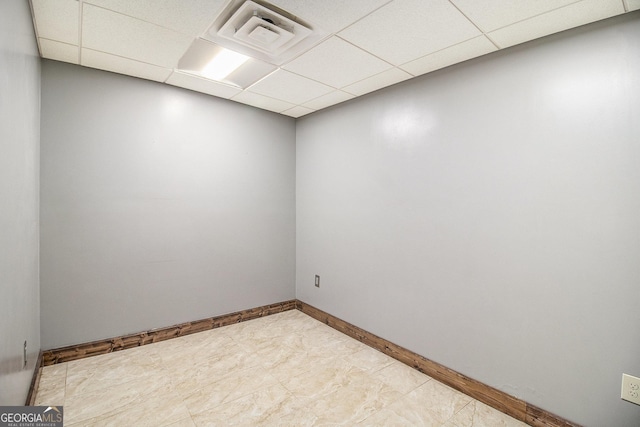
263,32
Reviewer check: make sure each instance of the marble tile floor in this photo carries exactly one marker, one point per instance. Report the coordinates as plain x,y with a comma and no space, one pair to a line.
287,369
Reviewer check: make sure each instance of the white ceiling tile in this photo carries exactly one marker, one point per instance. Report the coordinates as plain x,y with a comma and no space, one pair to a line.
337,63
117,64
384,79
121,35
298,111
329,15
633,5
52,49
405,30
261,101
452,55
290,87
199,84
490,15
558,20
191,17
57,19
328,100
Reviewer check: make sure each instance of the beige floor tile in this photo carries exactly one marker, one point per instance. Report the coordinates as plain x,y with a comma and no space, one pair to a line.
251,410
196,372
270,355
234,385
51,388
404,412
354,402
401,377
322,383
369,359
302,362
282,370
53,397
185,422
443,402
109,371
160,410
327,344
53,373
106,403
477,414
198,346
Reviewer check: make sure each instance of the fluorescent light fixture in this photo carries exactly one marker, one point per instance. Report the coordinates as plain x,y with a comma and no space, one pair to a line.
215,63
223,64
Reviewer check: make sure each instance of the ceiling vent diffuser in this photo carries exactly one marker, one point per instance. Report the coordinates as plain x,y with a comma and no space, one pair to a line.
262,32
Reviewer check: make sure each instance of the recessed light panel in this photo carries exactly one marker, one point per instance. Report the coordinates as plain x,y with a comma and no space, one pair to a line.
208,60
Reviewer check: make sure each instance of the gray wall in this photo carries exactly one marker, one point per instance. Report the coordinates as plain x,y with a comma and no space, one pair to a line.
19,157
158,205
487,216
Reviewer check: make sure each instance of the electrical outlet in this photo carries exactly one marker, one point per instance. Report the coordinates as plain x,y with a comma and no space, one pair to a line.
631,389
317,281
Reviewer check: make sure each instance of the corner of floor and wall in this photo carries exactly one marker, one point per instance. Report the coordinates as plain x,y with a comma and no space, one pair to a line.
484,216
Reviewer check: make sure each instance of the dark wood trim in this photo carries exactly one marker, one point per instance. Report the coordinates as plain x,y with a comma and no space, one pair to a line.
109,345
540,418
495,398
35,381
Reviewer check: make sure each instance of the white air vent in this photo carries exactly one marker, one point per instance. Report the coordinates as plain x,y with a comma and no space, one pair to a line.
263,32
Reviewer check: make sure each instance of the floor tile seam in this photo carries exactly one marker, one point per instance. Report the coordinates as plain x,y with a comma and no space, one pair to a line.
51,388
354,384
243,344
453,415
66,377
49,395
316,397
130,405
337,357
412,390
85,420
373,371
429,408
63,386
306,404
46,380
178,357
219,405
224,402
221,380
96,368
143,373
112,386
413,370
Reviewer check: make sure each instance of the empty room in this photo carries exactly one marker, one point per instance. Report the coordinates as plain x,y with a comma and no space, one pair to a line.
320,212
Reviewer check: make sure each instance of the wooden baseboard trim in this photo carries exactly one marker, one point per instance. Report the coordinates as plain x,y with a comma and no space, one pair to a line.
35,381
495,398
109,345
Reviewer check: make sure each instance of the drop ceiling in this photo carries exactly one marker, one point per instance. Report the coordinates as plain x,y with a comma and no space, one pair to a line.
365,45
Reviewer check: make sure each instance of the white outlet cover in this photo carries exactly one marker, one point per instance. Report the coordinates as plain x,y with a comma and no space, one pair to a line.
631,389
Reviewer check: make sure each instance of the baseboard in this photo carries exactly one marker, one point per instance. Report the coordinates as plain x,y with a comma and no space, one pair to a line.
35,381
109,345
488,395
495,398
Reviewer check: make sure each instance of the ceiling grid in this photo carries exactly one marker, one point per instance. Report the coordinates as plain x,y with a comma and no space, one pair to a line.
360,46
